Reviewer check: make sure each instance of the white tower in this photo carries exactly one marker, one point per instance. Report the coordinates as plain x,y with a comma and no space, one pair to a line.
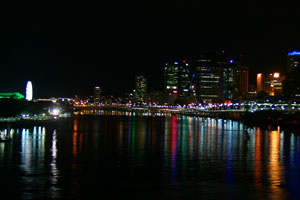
29,92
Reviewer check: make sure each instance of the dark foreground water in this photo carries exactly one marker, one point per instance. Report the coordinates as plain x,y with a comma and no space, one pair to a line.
136,157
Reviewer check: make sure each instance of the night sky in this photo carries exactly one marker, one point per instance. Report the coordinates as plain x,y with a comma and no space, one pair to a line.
66,48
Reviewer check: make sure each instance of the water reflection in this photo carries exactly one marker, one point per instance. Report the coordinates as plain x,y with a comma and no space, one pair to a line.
188,157
258,162
75,137
172,143
211,144
36,176
54,189
274,167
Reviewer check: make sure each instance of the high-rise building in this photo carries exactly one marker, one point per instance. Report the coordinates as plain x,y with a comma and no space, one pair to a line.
209,84
171,77
177,77
259,82
270,83
208,79
228,81
217,78
235,79
275,84
177,81
291,85
293,61
97,94
140,87
241,81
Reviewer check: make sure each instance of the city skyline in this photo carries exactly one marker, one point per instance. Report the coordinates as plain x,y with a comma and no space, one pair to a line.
67,49
131,86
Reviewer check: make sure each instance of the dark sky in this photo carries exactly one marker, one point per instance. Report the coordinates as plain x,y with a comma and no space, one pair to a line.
68,47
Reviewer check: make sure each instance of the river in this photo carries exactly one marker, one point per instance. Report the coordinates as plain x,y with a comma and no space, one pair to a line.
149,157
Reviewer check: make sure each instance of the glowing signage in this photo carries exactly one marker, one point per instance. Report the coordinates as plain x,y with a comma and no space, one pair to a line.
294,53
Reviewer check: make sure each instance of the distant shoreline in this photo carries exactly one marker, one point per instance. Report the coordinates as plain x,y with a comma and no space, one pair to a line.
259,118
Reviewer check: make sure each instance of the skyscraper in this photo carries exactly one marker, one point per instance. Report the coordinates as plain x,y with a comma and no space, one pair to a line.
177,81
140,87
259,82
229,67
291,85
177,77
215,78
97,94
208,83
240,85
218,78
243,78
208,78
270,83
275,84
293,61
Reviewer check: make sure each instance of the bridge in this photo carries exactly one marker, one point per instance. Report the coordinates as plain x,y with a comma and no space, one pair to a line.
287,113
194,108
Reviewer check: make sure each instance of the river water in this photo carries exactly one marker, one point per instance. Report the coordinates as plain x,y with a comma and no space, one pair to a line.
146,157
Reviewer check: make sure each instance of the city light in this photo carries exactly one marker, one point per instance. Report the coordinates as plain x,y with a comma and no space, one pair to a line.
55,111
293,53
14,95
29,92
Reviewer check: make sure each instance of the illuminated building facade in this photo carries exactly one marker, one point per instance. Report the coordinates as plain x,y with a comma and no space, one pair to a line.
291,87
259,83
12,95
241,81
235,77
275,84
29,91
140,87
270,83
208,79
177,78
215,78
293,61
97,94
228,81
208,84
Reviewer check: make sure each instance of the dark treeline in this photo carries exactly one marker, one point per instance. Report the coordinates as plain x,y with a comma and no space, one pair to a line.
13,108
